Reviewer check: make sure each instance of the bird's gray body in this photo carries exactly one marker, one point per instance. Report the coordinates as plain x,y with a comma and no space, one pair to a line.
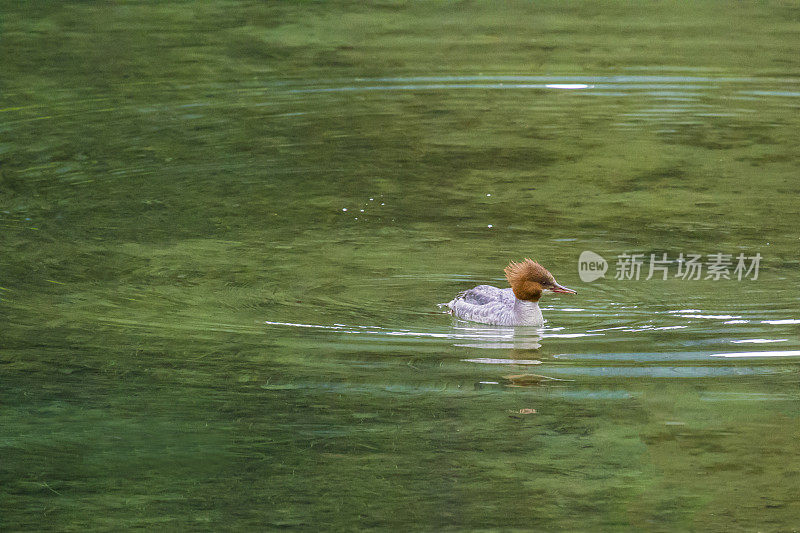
490,305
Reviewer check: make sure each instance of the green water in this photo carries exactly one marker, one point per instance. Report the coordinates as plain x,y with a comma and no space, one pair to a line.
226,227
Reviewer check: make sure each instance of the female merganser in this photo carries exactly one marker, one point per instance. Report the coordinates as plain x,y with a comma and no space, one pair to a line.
517,306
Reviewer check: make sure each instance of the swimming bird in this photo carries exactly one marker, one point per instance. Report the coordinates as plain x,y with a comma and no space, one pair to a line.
517,306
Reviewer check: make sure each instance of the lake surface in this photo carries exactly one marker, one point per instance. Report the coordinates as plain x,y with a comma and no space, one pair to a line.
226,228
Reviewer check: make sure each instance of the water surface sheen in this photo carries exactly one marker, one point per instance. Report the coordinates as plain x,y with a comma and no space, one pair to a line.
226,230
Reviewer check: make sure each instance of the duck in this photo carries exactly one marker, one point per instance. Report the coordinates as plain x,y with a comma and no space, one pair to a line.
514,306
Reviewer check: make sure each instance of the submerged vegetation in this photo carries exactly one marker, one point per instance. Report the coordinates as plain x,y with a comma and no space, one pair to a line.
226,227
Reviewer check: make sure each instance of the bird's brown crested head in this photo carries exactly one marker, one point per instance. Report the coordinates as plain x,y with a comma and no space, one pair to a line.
528,279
